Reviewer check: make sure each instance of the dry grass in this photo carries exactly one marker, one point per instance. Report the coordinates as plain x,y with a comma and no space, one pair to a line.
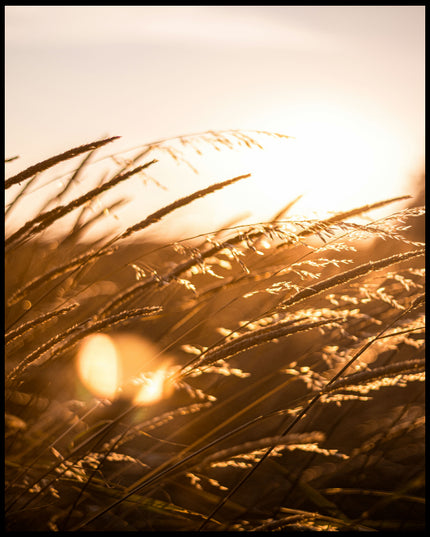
291,352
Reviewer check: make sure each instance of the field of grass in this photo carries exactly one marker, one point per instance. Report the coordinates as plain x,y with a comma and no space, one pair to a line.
276,381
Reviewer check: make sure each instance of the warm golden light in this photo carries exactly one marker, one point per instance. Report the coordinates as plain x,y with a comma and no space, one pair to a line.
99,366
153,387
337,161
126,365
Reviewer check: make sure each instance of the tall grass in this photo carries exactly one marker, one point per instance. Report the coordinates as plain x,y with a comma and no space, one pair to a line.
289,357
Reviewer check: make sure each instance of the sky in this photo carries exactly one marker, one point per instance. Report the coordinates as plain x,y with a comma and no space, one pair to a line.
345,82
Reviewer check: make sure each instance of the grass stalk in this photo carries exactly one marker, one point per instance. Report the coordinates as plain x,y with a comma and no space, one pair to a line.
53,161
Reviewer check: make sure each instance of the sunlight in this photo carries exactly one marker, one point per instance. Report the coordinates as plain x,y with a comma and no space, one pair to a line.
153,387
337,161
99,366
122,365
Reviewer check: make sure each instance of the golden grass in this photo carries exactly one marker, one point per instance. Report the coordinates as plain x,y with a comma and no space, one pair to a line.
293,350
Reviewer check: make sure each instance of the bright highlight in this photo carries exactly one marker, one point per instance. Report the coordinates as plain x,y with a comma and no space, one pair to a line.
98,366
120,365
337,161
152,387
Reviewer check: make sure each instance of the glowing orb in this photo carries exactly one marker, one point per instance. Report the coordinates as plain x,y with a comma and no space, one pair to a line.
126,365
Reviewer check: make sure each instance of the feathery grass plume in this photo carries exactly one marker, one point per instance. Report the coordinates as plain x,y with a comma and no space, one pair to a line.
43,449
291,238
349,275
48,163
344,215
79,447
268,229
158,215
162,471
230,140
339,217
249,447
44,220
365,381
254,338
218,140
197,257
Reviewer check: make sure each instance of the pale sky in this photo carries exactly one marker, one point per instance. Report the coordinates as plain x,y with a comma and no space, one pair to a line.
346,81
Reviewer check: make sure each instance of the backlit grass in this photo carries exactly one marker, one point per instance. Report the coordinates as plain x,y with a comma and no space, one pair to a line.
260,377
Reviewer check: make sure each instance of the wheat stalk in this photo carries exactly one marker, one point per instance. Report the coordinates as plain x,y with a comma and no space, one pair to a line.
356,380
254,338
349,275
158,215
45,164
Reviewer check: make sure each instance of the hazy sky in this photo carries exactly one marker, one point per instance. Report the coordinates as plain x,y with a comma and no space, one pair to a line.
346,81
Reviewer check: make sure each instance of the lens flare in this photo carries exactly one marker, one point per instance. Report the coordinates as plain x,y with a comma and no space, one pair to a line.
153,387
123,365
99,366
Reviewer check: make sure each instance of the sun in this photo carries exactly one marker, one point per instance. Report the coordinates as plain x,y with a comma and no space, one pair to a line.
336,161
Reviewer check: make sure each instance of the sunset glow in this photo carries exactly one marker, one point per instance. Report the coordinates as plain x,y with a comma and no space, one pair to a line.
336,161
347,82
214,268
